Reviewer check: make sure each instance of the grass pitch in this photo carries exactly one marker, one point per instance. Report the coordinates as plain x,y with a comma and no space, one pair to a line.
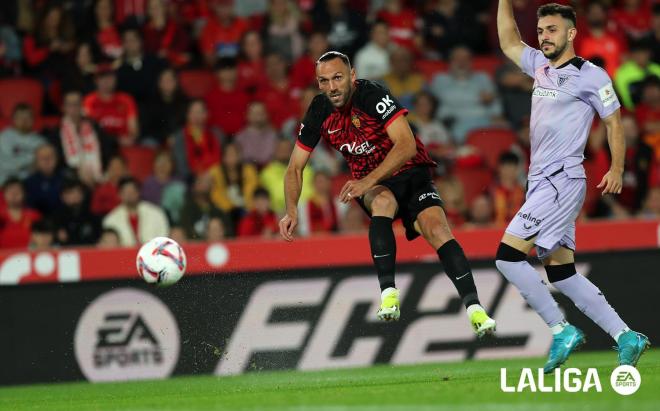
472,385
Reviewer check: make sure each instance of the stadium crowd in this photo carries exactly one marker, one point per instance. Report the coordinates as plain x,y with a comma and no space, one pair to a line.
128,119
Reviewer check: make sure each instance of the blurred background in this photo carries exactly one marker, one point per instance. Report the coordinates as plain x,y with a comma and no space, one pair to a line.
188,110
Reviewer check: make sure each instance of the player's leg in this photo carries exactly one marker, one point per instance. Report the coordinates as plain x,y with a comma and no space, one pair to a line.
432,224
382,206
560,267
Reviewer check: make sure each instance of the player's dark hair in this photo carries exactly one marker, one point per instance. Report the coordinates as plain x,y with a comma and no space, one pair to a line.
42,226
13,180
226,63
508,157
261,192
22,107
553,9
331,55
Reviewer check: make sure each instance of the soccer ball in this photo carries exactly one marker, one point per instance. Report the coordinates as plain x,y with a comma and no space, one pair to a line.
161,261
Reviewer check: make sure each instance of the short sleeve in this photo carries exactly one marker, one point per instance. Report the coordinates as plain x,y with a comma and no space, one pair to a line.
310,128
378,102
599,92
531,60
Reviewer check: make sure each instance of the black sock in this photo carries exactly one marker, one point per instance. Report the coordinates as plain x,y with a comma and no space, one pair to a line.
383,249
458,270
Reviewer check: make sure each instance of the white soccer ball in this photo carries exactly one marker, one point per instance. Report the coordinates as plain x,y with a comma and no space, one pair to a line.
161,261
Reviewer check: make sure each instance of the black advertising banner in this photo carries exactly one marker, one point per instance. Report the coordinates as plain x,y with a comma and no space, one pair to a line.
301,319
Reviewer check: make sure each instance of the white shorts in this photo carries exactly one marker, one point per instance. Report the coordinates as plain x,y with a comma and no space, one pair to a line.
551,207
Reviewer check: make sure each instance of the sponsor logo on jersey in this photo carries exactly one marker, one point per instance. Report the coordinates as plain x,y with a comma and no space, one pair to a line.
530,218
545,93
385,106
431,194
355,149
607,96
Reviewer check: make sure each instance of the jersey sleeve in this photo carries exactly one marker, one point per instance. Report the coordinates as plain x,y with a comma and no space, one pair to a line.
310,127
531,60
599,92
379,103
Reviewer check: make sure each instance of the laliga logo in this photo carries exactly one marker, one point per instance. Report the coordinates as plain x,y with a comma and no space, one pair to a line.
569,380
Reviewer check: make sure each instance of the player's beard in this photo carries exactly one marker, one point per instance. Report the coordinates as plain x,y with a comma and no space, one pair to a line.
345,96
554,54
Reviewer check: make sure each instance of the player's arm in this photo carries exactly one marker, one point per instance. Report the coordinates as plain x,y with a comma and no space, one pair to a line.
293,180
612,180
510,41
404,149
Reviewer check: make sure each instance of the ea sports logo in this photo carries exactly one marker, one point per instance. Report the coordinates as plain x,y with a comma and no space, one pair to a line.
625,379
126,334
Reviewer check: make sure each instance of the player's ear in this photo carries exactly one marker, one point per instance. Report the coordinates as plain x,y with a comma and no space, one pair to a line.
572,32
353,74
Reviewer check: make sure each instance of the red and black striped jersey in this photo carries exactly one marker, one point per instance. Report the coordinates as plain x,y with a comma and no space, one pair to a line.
357,130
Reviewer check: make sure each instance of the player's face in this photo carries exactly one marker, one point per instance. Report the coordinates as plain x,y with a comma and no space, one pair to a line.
554,34
336,81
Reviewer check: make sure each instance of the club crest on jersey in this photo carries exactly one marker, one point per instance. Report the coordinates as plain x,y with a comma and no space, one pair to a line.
561,80
355,120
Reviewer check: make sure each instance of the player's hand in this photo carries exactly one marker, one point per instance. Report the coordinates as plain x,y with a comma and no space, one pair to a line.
288,224
612,182
354,189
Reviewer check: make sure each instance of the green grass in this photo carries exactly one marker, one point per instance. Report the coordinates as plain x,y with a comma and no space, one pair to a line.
451,386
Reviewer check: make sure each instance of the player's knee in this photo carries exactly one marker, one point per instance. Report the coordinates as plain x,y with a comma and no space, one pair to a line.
435,231
560,272
383,204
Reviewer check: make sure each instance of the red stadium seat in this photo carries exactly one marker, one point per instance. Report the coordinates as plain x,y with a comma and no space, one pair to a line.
491,142
475,181
20,90
47,123
196,83
429,68
488,64
140,160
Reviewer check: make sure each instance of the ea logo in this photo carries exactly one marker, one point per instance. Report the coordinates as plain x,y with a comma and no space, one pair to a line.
126,334
384,103
625,379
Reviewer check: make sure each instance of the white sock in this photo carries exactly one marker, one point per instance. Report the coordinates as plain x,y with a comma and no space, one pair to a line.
387,291
474,307
557,328
617,335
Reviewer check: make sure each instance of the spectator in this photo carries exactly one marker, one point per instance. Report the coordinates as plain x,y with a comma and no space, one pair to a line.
514,88
42,237
135,221
651,208
372,61
632,73
251,62
508,194
647,111
303,72
162,184
85,148
272,177
215,231
653,37
637,168
42,188
227,102
196,146
277,94
448,23
601,39
431,132
10,49
163,37
109,239
18,143
281,30
74,224
346,29
114,111
353,220
165,112
106,195
199,209
223,30
633,17
178,234
451,191
106,36
320,213
470,96
80,76
138,72
261,221
129,12
480,214
47,50
402,23
234,182
257,141
15,219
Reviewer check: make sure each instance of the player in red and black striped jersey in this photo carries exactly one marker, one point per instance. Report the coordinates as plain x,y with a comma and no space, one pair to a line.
391,173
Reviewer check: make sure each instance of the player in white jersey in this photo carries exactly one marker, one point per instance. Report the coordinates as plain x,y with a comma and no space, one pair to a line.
568,91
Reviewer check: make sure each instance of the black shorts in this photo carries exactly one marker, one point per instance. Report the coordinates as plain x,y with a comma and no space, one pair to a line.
414,192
